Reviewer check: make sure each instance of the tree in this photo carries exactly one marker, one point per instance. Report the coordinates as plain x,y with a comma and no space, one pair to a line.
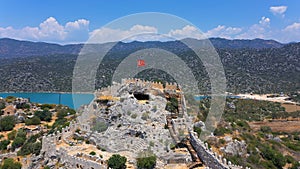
33,121
23,106
9,163
44,115
63,112
31,146
117,161
4,144
18,142
11,135
47,106
21,133
146,162
20,139
7,123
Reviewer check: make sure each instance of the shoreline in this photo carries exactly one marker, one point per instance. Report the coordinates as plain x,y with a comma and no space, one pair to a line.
49,92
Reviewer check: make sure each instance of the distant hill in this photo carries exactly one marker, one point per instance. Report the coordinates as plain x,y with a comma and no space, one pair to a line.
17,48
259,66
241,43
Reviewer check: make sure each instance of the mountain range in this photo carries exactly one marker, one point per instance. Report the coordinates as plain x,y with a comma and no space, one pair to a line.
17,48
259,66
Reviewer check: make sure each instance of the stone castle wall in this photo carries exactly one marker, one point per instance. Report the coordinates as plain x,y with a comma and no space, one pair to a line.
210,158
49,148
76,162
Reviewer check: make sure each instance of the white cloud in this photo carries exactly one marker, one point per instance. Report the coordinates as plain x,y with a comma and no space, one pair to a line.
79,24
148,33
264,21
103,35
260,30
186,32
223,32
142,29
291,33
278,10
293,27
49,30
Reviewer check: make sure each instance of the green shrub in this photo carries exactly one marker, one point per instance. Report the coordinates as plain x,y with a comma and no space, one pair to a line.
274,156
33,121
9,163
4,144
19,139
253,159
172,105
198,130
117,161
30,148
146,162
92,153
266,129
44,115
63,112
290,159
11,135
47,106
220,131
243,124
7,123
294,146
172,146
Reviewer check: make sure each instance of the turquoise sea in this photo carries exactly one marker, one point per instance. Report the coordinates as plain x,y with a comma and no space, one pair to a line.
201,97
72,100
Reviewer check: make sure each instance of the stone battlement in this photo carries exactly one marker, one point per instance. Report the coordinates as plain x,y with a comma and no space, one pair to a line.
156,85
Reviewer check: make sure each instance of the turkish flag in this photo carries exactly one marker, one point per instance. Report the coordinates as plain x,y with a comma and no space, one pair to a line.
141,62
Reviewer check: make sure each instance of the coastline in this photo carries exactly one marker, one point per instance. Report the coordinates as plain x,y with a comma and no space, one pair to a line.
72,100
43,92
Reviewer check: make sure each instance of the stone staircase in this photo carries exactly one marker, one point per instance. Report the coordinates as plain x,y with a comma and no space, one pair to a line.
139,145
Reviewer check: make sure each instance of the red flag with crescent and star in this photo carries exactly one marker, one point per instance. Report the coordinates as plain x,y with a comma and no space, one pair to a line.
141,63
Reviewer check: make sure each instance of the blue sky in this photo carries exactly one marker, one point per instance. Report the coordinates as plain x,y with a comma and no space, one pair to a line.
74,21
